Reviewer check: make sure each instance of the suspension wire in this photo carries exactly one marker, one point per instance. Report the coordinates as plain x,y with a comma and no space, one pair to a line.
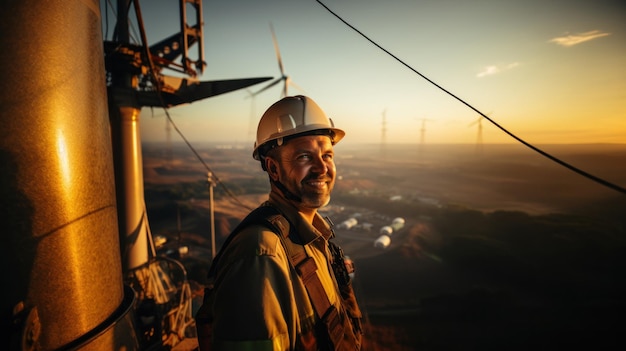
109,5
562,163
167,113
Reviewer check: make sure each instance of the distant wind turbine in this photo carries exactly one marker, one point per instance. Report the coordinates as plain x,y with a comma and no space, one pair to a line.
253,116
383,134
423,130
423,134
479,135
287,81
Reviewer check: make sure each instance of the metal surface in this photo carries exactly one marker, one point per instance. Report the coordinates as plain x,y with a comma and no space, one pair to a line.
59,241
133,220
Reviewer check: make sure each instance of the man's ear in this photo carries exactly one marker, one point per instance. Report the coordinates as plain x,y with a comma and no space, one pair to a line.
272,168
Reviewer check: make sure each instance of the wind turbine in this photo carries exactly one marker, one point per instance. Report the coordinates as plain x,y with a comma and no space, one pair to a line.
287,81
383,134
423,134
253,116
479,135
423,129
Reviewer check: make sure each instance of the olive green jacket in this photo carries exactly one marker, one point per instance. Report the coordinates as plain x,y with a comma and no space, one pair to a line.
260,302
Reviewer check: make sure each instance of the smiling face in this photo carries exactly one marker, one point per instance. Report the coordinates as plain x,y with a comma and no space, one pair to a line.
306,167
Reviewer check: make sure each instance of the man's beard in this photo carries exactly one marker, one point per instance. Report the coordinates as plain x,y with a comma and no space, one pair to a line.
312,198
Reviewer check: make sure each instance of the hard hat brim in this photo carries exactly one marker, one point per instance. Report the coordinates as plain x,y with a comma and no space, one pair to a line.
335,135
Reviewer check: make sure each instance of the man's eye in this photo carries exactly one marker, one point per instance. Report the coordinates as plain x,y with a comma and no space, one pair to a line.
303,157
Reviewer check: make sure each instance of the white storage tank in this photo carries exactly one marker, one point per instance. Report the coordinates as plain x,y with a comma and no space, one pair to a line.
386,230
382,242
397,223
348,223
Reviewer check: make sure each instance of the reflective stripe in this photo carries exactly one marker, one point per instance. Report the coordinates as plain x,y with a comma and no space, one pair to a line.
279,343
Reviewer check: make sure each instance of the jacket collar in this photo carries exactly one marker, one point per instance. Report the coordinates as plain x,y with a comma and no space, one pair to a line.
306,231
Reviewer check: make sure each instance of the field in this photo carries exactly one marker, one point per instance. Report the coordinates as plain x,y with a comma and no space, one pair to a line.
502,247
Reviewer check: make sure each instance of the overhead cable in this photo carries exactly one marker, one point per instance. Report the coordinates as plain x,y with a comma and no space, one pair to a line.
561,162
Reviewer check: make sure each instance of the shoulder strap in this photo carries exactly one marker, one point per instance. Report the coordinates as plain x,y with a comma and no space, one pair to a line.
265,215
306,268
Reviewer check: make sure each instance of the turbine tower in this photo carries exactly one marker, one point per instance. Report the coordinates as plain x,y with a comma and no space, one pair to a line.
479,135
253,117
383,135
423,135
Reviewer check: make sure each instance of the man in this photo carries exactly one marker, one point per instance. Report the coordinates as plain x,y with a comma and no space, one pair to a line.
278,283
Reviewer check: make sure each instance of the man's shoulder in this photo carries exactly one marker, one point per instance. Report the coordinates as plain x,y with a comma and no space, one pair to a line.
256,239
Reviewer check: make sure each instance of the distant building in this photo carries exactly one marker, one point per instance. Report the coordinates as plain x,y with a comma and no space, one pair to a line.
386,230
348,223
397,224
429,201
382,242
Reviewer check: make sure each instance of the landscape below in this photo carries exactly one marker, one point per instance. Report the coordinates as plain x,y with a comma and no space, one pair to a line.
502,248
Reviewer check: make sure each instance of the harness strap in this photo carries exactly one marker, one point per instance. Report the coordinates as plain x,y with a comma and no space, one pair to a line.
306,268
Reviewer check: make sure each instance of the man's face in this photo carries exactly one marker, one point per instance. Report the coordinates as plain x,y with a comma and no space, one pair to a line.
306,167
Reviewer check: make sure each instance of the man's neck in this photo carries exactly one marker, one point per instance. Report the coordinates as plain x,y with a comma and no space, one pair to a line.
307,214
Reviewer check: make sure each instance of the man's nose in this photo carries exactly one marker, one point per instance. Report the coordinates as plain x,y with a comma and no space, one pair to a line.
319,165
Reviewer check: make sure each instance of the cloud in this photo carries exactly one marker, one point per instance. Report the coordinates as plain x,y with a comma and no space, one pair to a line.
575,39
494,69
488,71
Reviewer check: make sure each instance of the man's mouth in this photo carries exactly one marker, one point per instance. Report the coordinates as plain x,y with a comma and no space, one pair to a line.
317,183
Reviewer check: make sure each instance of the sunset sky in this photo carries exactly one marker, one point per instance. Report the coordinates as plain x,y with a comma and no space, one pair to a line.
547,71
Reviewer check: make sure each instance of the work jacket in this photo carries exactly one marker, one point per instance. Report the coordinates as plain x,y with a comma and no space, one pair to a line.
259,300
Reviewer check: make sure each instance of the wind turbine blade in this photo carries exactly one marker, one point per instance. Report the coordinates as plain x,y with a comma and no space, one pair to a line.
291,82
280,60
190,91
268,86
476,121
249,94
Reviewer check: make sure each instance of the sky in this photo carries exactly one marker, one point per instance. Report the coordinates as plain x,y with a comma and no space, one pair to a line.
546,71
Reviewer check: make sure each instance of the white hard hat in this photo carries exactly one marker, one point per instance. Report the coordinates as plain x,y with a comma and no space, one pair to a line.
291,116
